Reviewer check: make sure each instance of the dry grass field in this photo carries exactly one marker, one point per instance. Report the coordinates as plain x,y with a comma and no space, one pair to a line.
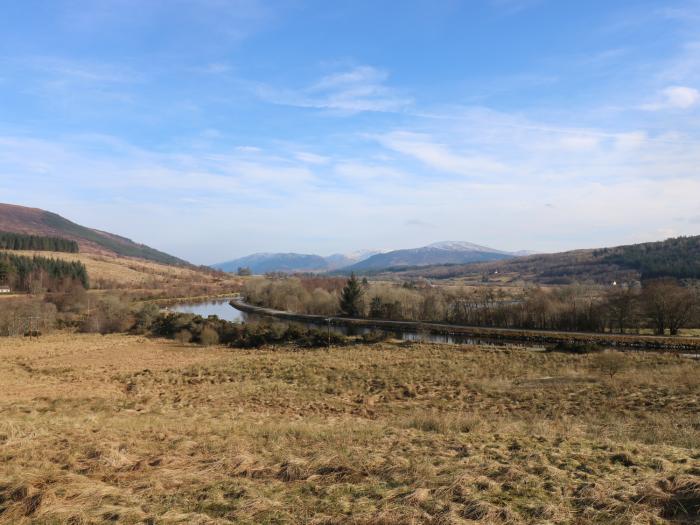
123,429
127,272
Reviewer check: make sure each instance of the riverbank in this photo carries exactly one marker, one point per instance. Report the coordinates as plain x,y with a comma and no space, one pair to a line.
637,342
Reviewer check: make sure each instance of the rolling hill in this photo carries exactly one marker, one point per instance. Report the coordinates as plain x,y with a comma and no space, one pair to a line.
34,221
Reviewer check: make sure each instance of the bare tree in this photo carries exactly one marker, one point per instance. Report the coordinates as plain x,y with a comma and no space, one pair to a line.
668,305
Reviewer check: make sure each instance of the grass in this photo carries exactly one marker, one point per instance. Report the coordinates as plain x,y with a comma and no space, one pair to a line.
125,429
126,272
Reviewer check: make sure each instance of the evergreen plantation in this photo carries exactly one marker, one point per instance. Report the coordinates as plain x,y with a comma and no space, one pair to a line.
26,274
678,257
21,241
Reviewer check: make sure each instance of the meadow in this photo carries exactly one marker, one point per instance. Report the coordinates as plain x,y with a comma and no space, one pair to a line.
128,429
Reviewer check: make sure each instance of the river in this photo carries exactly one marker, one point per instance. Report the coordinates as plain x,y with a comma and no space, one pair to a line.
223,310
218,307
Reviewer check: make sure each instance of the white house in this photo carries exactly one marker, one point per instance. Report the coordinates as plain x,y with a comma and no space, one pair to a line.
5,289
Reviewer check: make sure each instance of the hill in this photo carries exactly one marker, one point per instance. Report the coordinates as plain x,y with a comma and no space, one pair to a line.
34,221
677,258
448,252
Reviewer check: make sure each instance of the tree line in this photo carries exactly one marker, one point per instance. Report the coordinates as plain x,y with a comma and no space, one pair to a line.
39,274
22,241
662,305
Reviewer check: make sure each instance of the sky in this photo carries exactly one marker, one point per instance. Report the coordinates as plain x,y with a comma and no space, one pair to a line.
212,129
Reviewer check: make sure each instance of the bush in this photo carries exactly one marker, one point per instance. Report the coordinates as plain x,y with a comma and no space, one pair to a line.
184,336
209,336
574,347
110,315
610,363
145,317
375,336
212,330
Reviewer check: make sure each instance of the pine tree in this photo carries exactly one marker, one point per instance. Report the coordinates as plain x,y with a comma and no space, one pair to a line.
351,297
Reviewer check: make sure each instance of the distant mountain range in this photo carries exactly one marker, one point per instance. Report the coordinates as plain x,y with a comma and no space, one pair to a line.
34,221
276,262
260,263
447,252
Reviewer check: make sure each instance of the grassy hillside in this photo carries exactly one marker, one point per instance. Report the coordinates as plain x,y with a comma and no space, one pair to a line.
124,429
106,271
33,221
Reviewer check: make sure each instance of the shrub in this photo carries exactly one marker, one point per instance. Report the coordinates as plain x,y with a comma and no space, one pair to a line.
610,363
184,336
209,336
110,315
573,347
145,317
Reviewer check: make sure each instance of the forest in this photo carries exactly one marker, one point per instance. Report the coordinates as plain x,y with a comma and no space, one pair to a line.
38,274
22,241
678,257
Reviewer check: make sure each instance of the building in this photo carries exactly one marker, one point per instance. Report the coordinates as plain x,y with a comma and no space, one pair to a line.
5,289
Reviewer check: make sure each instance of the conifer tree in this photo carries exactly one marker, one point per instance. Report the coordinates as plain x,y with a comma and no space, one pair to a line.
351,297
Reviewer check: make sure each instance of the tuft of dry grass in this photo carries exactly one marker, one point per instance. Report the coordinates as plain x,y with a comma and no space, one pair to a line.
124,429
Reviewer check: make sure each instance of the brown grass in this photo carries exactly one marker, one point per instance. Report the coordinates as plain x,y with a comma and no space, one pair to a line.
150,278
124,429
126,271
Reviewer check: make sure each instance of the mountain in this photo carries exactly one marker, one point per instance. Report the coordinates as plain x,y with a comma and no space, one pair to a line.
294,262
446,252
276,262
341,260
676,258
33,221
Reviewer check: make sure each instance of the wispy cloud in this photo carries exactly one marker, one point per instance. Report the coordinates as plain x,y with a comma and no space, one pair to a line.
438,156
359,89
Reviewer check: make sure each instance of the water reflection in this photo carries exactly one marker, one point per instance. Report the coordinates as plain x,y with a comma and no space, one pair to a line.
219,307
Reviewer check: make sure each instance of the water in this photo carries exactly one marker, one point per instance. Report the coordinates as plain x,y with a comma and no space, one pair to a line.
218,307
223,310
404,335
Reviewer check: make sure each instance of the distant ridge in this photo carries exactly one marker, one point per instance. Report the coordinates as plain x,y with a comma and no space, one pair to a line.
445,252
34,221
259,263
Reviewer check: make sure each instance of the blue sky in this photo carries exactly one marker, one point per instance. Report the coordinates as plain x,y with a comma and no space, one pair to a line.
216,128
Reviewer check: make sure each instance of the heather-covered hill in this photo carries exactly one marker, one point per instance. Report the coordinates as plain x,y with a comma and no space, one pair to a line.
34,221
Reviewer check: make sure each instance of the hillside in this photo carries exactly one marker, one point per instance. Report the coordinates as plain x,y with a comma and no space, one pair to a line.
34,221
677,258
448,252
